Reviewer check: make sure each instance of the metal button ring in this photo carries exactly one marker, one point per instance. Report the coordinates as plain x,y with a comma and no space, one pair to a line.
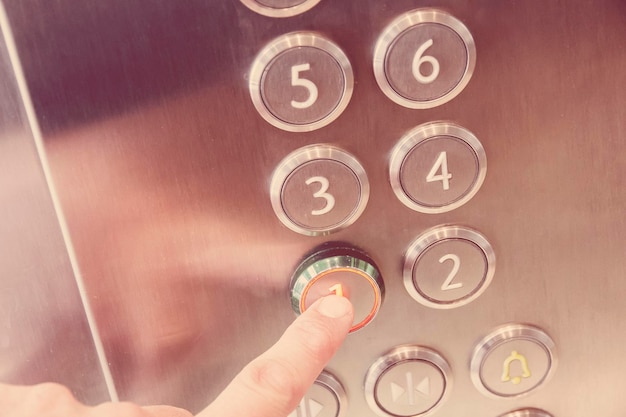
424,58
301,82
280,8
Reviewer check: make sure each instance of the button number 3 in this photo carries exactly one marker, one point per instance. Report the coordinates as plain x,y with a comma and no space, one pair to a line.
296,81
321,193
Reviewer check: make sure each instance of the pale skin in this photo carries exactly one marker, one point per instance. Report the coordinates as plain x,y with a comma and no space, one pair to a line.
273,383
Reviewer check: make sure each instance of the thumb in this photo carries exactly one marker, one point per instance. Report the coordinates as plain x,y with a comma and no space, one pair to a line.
273,384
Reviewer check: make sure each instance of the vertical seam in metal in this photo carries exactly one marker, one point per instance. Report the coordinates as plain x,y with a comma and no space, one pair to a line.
36,132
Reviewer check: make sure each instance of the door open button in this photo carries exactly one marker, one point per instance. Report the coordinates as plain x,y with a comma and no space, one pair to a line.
343,271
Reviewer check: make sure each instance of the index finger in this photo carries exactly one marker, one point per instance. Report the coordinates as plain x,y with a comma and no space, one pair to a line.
273,384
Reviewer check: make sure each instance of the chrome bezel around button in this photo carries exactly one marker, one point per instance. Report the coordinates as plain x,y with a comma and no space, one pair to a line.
312,153
402,354
527,412
401,24
280,11
438,234
332,258
290,41
329,381
505,334
424,132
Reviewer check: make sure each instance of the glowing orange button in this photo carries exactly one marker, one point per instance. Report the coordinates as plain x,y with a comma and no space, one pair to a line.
343,271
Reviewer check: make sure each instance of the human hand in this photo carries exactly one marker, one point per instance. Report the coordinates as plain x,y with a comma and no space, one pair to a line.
270,386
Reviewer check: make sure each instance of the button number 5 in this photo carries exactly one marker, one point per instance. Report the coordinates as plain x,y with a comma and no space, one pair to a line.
303,82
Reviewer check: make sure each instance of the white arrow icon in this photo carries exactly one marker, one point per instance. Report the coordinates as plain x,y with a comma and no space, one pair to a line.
423,388
313,410
396,391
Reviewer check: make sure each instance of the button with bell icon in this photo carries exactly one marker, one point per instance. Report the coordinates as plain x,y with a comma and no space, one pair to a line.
512,361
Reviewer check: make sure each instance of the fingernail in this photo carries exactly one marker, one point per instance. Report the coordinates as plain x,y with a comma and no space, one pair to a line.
334,306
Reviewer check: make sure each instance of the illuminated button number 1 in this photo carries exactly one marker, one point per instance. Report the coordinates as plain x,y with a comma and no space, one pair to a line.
297,81
321,193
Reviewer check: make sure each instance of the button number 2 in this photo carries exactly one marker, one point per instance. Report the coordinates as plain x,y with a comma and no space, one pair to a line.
321,193
447,284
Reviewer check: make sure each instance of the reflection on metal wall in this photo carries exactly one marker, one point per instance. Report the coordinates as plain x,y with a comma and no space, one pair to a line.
507,213
44,333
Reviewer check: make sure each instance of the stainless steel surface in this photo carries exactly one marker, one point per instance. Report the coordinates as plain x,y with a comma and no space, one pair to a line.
513,360
319,189
404,65
435,152
45,335
452,284
301,82
163,166
419,364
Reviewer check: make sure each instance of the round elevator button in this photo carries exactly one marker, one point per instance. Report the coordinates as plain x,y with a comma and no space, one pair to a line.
343,271
301,82
325,398
513,360
449,266
437,167
319,189
407,381
424,58
527,412
280,8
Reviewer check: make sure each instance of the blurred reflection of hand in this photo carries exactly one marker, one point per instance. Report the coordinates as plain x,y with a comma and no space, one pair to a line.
270,386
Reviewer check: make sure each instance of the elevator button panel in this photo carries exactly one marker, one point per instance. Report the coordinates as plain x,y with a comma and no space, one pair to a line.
325,398
437,167
424,58
407,381
319,189
449,266
301,82
512,361
280,8
343,271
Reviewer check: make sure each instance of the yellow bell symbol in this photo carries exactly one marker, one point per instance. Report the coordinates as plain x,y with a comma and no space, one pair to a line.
506,368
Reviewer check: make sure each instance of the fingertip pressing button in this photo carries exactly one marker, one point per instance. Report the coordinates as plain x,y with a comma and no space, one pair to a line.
343,271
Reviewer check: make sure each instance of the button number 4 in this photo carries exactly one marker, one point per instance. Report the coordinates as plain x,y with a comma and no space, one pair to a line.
441,164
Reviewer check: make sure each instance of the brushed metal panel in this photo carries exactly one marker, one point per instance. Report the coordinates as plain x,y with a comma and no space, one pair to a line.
44,333
163,169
